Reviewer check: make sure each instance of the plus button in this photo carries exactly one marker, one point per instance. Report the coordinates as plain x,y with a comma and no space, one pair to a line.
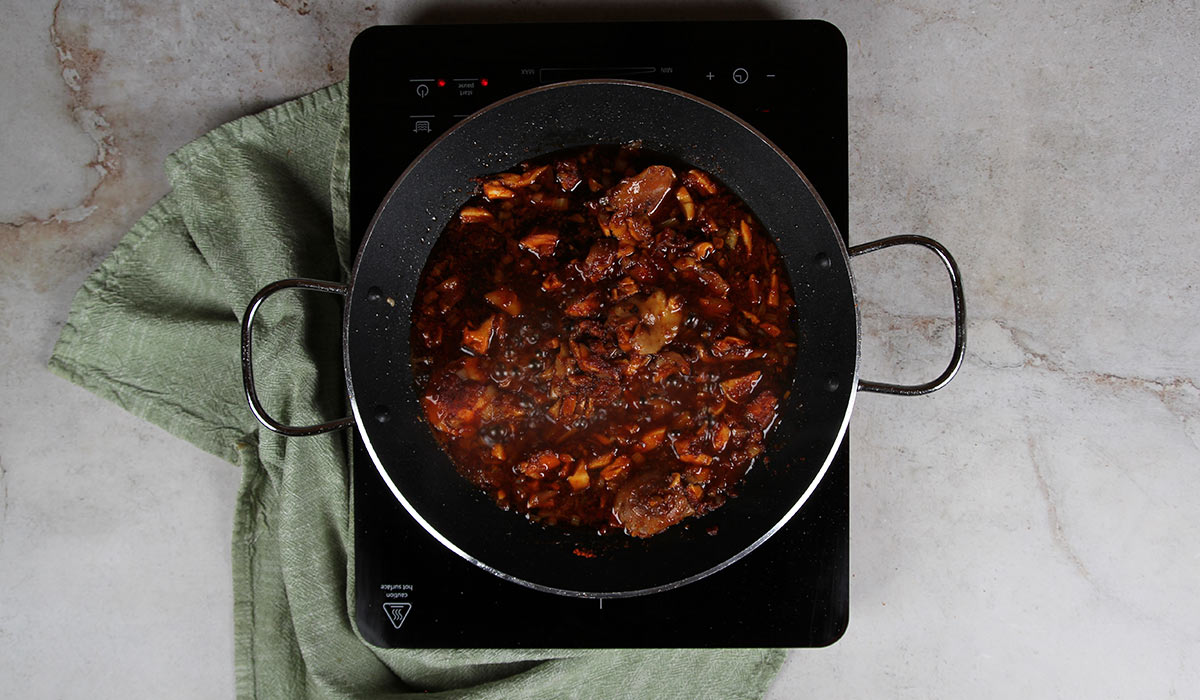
710,75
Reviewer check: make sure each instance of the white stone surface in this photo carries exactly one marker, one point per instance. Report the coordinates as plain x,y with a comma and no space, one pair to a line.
1029,531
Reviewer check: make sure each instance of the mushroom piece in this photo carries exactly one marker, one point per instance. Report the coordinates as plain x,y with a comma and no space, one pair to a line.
699,180
504,299
586,305
479,338
474,215
739,388
453,404
541,242
661,318
651,502
642,193
600,259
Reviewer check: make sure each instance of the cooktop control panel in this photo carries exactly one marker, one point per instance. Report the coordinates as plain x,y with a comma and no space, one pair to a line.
408,85
776,75
441,98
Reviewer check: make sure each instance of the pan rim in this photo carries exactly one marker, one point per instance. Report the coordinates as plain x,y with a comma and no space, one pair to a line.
360,418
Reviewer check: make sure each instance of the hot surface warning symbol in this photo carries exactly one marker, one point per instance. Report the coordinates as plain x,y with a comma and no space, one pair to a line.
397,612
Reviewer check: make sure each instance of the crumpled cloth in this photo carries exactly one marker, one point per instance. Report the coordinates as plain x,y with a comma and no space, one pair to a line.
156,330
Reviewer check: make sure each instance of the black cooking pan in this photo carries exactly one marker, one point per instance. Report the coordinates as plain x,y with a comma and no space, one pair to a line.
379,300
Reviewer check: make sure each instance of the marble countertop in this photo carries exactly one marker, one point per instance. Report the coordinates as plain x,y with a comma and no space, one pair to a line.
1028,531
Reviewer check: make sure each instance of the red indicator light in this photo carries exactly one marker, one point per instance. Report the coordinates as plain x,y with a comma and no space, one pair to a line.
483,82
441,83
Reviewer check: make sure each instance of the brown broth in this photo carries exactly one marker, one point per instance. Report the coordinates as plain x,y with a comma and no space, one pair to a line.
602,338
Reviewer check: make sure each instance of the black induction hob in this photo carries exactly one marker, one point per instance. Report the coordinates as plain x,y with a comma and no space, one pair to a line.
408,84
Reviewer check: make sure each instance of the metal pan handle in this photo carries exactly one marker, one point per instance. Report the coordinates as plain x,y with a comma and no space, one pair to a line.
248,365
960,316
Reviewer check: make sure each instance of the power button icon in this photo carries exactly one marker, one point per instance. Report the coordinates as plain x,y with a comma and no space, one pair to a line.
741,75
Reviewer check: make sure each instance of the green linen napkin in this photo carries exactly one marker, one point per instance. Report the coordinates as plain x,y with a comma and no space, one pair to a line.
156,330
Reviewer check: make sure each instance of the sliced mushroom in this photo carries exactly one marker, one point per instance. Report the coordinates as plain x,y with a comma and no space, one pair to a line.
539,465
642,193
650,503
452,404
587,305
541,242
700,182
493,191
600,259
479,338
739,388
660,320
567,174
686,203
504,299
474,215
762,410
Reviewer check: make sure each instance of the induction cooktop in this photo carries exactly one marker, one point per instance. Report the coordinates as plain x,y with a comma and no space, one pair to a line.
408,85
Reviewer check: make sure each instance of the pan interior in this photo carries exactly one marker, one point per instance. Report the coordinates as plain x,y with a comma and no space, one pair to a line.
376,336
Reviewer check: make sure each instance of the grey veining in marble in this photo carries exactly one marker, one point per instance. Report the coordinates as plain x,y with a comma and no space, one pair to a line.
1028,531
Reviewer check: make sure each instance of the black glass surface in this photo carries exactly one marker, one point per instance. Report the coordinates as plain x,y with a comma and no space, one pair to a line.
408,84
